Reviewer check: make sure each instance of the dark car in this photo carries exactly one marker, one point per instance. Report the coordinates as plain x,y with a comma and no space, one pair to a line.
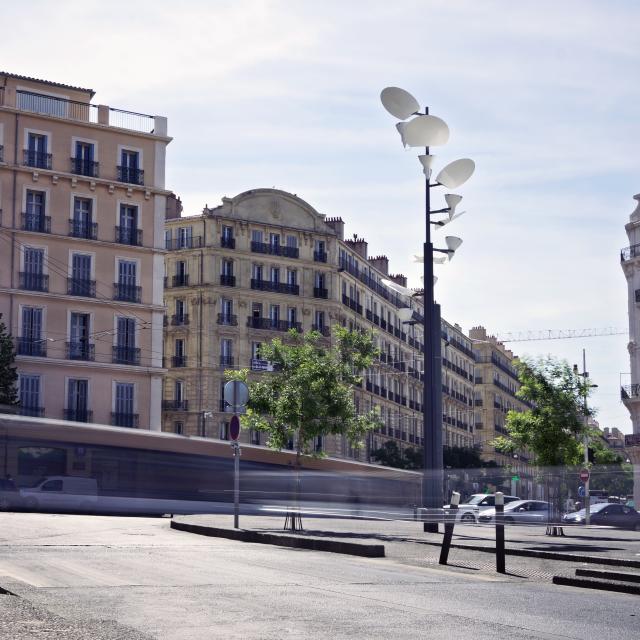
611,515
9,495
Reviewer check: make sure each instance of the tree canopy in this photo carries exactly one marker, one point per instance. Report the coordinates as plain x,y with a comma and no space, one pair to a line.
553,427
8,373
310,392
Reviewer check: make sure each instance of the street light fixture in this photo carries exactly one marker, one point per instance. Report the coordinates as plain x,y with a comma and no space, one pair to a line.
424,130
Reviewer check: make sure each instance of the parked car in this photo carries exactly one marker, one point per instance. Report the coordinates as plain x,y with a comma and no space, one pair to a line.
61,493
520,511
9,495
474,505
612,515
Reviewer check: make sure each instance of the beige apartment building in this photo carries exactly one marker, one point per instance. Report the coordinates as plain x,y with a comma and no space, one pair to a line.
83,202
266,261
495,386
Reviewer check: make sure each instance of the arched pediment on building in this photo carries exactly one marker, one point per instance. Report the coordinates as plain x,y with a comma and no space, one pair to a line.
277,208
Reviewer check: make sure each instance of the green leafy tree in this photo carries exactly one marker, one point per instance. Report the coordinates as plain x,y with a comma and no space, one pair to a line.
310,392
389,455
553,427
8,373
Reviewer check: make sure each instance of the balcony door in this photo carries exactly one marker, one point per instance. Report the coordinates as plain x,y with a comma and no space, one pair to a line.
78,399
79,334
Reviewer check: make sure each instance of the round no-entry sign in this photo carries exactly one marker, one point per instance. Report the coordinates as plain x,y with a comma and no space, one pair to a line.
584,475
234,428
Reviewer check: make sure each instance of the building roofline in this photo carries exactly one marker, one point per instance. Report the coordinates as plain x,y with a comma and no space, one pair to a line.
7,74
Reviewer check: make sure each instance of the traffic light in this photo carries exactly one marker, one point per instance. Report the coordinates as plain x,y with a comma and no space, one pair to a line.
591,454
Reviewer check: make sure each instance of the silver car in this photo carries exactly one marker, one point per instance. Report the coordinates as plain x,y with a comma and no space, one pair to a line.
521,511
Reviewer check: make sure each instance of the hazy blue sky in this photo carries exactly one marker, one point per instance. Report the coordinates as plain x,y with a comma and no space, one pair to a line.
544,96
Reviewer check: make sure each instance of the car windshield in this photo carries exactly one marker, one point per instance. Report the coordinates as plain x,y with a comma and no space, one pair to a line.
594,509
476,499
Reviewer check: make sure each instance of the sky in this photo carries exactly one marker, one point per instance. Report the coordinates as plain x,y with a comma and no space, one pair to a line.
543,96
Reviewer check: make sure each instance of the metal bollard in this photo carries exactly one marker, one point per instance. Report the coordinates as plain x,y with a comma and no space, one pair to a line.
500,532
449,522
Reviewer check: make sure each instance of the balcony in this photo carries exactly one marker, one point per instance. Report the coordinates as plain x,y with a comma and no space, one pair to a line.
31,347
36,159
122,419
175,405
629,253
84,167
274,249
81,351
320,292
126,355
352,304
176,244
226,361
81,229
630,391
78,415
126,292
130,175
275,287
320,256
227,281
128,235
632,440
227,319
227,242
179,320
33,281
321,328
273,325
36,222
81,287
34,412
180,280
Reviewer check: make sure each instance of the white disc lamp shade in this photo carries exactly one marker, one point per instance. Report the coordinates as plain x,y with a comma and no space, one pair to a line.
453,242
401,126
398,102
397,287
456,173
425,131
439,259
405,315
417,258
452,201
427,164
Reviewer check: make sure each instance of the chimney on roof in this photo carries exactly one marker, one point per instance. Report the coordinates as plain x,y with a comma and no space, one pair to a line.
337,224
381,263
359,245
174,207
398,278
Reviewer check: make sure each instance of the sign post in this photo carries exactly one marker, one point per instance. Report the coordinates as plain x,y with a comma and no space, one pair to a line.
236,395
584,477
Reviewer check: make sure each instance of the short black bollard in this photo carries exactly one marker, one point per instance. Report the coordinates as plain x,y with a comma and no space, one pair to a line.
450,515
500,533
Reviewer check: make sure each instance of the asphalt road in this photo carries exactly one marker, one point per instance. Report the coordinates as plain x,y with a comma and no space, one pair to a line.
110,577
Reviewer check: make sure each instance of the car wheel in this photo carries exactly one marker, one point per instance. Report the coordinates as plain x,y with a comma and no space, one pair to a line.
467,517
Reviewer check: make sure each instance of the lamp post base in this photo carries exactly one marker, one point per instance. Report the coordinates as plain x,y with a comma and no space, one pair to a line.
430,527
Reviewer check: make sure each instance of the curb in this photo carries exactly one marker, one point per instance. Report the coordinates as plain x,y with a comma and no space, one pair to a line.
597,584
608,575
549,555
283,540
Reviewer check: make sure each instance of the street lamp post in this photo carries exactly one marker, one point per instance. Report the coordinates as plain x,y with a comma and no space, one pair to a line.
425,130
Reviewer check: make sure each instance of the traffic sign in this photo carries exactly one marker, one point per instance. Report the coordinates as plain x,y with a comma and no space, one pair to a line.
584,475
581,492
234,428
236,394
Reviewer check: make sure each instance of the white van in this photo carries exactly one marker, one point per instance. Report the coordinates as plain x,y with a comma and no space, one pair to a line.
470,510
61,492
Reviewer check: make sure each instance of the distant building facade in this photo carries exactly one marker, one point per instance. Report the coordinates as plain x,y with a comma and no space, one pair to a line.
82,207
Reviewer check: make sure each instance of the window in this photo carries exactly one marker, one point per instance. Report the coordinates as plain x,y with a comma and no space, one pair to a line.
255,437
30,342
83,164
256,235
227,232
180,309
36,153
127,232
129,170
178,428
319,320
179,347
275,275
227,268
126,288
167,238
80,283
34,218
81,224
256,272
292,242
274,314
185,239
77,400
33,277
224,431
319,280
79,331
30,395
292,317
125,351
125,405
292,277
226,352
256,309
274,241
255,350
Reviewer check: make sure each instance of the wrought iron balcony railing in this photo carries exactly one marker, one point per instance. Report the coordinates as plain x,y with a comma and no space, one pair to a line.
320,256
276,287
178,361
321,328
36,222
179,320
175,244
630,252
630,391
320,292
84,167
124,419
273,325
227,319
33,281
81,287
227,281
128,235
81,351
34,412
180,280
31,347
36,159
78,415
226,361
227,242
175,405
126,292
126,355
130,175
81,229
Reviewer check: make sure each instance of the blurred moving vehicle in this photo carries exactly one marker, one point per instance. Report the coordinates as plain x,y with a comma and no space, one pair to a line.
57,492
520,512
9,495
607,514
476,504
